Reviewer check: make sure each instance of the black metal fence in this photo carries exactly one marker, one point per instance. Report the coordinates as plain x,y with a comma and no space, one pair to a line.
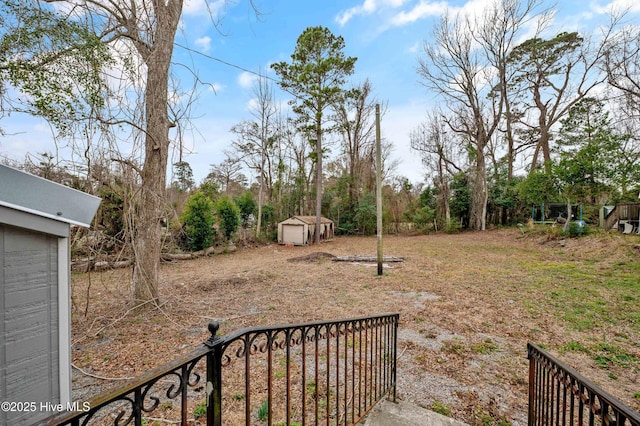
559,395
320,373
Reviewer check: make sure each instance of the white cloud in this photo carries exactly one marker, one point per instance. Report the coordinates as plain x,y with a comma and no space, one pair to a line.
204,43
253,105
199,7
422,10
368,7
216,87
246,79
616,6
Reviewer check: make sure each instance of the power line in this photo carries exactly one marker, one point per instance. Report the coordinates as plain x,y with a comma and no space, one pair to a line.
227,63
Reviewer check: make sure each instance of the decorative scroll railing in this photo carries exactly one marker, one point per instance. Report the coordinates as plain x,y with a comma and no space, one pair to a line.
320,373
559,395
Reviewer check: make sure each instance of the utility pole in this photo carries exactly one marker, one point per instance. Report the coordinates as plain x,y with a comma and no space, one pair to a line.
379,188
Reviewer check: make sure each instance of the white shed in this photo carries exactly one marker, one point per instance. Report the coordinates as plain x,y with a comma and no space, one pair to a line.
35,312
300,230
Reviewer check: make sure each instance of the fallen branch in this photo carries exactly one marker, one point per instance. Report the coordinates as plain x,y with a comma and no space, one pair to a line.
102,265
95,376
359,258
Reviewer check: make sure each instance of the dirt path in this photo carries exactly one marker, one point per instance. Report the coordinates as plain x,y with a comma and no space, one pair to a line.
467,308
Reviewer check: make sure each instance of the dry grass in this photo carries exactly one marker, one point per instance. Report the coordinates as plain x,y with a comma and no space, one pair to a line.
468,305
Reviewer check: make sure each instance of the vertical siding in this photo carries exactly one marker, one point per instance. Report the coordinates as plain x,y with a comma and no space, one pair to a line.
28,320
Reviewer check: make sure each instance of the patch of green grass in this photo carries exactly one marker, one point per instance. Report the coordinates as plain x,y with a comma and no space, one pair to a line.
238,396
440,408
608,355
488,420
322,403
311,388
263,411
452,346
575,347
200,410
485,347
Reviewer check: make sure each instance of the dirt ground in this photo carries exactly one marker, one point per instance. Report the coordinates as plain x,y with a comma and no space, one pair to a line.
468,306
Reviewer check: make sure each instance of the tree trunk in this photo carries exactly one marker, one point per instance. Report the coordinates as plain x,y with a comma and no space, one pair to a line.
147,228
318,177
479,195
260,192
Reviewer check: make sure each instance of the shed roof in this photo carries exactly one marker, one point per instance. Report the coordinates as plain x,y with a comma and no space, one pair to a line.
32,194
311,220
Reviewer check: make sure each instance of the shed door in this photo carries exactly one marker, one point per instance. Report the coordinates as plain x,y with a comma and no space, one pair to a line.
293,234
29,354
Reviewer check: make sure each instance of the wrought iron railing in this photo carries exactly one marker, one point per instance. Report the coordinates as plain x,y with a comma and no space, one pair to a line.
559,395
320,373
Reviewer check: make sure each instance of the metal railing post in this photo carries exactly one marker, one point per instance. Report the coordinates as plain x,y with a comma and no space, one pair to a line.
214,377
395,355
532,381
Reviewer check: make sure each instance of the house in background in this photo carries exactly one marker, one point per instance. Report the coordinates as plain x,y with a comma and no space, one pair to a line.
35,311
300,230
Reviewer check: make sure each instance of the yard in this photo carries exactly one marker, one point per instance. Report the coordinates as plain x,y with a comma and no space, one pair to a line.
468,305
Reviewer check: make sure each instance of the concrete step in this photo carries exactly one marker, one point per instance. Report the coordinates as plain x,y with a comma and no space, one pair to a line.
401,413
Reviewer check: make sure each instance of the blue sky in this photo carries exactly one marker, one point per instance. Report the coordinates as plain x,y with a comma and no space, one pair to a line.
385,35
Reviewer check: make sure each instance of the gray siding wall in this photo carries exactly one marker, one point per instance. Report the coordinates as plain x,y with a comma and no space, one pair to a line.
29,354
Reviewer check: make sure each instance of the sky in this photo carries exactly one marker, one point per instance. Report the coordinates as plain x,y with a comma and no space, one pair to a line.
385,35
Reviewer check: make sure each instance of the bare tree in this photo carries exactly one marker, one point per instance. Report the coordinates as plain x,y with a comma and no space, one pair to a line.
622,66
456,70
465,64
439,153
227,173
355,118
258,137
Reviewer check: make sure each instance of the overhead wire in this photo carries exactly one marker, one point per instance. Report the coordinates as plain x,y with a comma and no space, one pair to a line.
213,58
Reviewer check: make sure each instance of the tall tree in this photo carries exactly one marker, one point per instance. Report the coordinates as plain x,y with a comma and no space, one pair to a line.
355,118
454,69
432,141
143,33
258,137
315,76
556,73
464,65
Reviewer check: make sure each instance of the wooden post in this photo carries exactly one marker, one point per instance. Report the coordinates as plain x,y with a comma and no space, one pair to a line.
379,188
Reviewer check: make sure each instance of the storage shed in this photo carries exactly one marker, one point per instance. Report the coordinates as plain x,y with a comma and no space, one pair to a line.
300,230
35,312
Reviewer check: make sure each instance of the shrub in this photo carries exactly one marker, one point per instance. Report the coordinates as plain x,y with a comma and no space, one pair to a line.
247,206
453,226
198,221
228,216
